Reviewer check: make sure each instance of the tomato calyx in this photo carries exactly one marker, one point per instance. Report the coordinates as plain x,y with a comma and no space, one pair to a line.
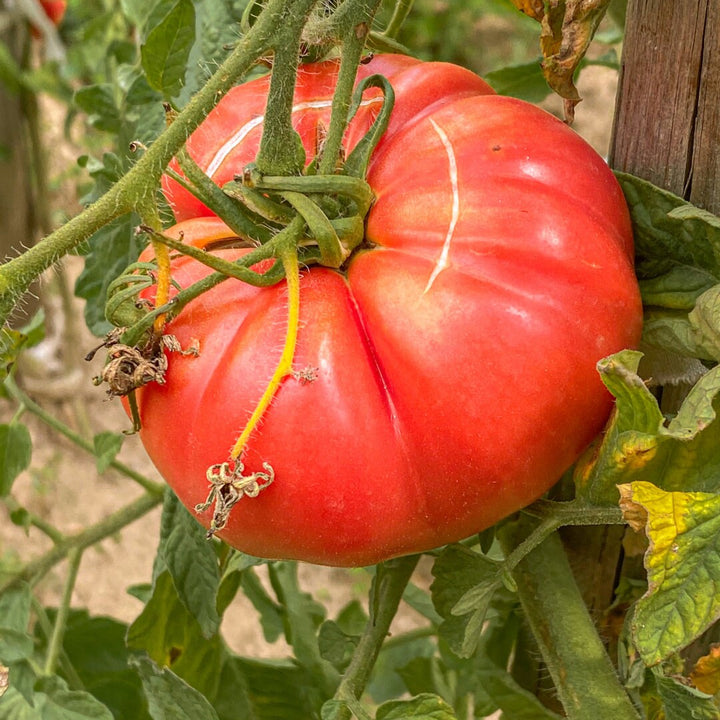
284,221
228,485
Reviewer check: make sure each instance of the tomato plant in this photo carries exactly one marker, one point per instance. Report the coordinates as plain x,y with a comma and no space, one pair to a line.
496,268
380,321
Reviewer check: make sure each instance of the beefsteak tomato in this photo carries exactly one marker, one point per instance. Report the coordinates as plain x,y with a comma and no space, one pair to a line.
446,374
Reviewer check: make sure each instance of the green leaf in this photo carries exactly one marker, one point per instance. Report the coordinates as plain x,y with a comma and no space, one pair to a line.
272,617
420,601
669,231
34,331
681,702
11,343
15,454
422,707
109,252
14,706
638,446
172,637
677,250
98,102
59,703
169,698
16,645
515,702
682,563
107,445
458,571
677,289
140,11
524,81
695,334
233,573
167,48
265,690
336,646
387,681
217,30
431,675
95,647
302,616
192,563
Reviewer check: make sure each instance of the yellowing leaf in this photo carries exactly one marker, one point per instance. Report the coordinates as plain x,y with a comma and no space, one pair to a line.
683,567
706,673
634,514
568,27
639,446
534,8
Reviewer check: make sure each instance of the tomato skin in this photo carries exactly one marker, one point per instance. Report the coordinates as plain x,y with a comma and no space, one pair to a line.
55,10
454,356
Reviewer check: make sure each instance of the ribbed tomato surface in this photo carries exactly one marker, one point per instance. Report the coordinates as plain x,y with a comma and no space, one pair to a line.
454,356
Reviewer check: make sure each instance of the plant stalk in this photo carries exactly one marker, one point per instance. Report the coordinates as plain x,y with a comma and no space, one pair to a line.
353,45
585,679
400,13
40,566
79,440
281,150
388,587
58,631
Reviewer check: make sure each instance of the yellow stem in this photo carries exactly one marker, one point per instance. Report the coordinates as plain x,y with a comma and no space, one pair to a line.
289,260
162,255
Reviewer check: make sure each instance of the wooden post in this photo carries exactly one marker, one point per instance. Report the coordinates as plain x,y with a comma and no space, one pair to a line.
667,121
18,222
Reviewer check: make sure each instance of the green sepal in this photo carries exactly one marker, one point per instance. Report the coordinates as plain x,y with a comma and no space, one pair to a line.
357,162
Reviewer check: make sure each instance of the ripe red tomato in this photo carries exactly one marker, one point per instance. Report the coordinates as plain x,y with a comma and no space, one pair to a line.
55,10
454,355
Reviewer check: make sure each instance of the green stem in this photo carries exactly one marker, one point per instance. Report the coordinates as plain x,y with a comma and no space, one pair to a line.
411,636
227,268
233,213
354,188
58,632
400,13
293,231
34,570
353,45
281,149
388,586
81,442
552,516
68,670
17,274
584,677
42,525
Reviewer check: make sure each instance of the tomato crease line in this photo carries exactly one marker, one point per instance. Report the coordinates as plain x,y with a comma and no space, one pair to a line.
442,262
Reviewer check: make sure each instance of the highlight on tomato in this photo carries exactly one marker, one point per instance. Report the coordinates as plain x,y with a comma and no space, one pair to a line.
444,376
